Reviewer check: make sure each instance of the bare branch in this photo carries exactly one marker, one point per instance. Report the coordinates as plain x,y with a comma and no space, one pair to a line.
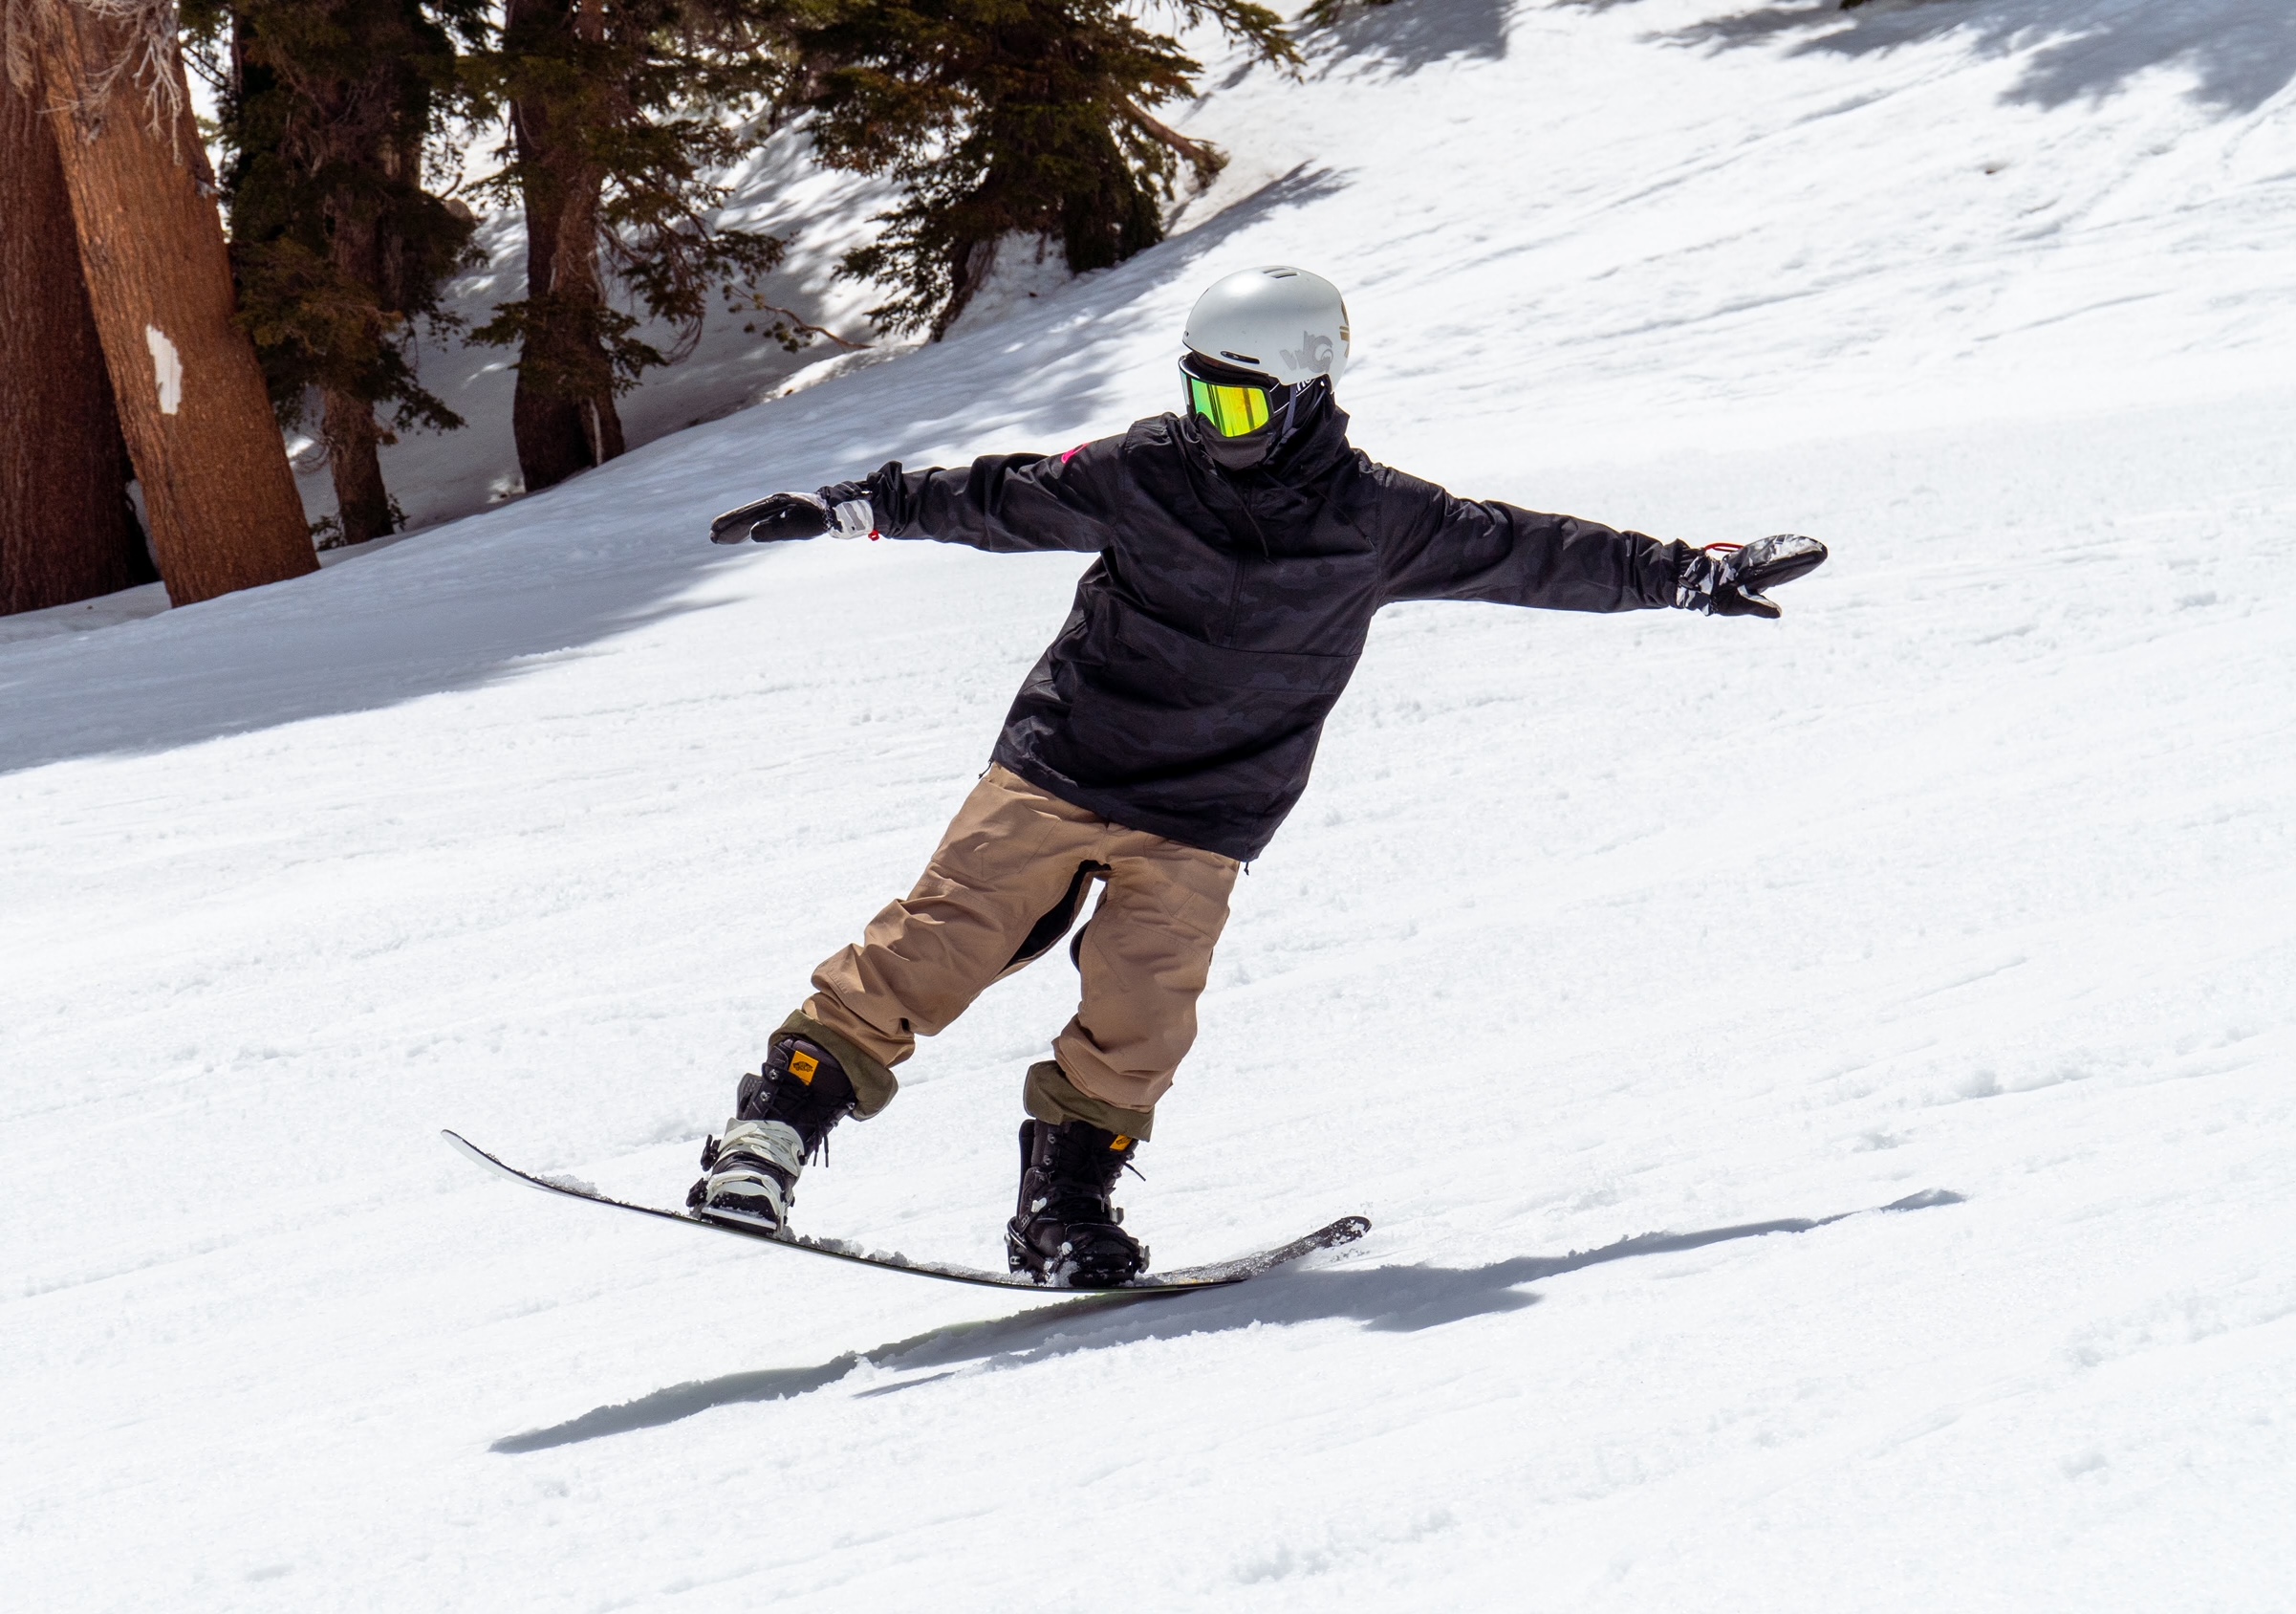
751,302
148,61
1202,156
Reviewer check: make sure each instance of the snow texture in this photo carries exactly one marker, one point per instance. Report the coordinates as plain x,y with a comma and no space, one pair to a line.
1663,940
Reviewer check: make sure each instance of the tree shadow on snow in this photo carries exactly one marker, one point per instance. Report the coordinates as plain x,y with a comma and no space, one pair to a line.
488,598
1399,38
1385,1300
2241,52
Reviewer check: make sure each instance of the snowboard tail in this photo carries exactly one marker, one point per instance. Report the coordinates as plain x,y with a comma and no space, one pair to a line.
1345,1230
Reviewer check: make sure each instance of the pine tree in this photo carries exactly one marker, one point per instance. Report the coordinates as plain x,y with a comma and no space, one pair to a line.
618,112
338,246
108,78
66,531
1002,117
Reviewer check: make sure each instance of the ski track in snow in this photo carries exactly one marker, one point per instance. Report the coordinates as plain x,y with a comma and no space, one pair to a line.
1974,874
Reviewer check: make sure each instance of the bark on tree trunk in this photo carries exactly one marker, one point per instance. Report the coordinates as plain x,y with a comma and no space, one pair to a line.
222,501
970,264
562,411
66,531
363,505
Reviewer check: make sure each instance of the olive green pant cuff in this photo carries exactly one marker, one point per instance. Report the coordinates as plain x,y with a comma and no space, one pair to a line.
873,1084
1050,1096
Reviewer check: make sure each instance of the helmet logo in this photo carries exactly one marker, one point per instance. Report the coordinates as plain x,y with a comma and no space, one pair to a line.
1314,353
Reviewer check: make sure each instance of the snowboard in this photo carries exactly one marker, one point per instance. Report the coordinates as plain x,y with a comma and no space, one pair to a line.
1345,1230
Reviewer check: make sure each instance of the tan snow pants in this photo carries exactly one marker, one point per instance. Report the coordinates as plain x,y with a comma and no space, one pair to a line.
1015,863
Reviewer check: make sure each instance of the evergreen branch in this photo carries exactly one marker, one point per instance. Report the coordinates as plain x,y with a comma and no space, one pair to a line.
1327,13
1247,24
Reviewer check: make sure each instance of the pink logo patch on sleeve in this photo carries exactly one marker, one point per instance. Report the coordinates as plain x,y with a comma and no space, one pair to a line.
1074,452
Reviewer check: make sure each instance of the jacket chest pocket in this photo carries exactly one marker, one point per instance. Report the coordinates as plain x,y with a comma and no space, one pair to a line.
1307,604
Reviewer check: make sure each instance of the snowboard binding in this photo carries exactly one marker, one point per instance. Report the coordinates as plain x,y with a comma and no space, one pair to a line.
1065,1234
784,1113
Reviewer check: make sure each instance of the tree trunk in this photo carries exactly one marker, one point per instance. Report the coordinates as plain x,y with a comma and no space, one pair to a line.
363,505
66,531
970,265
562,411
222,501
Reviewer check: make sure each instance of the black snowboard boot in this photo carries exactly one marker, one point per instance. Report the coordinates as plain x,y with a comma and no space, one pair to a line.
784,1113
1065,1232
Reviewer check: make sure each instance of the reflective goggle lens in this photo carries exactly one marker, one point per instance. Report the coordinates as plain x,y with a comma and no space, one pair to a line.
1231,410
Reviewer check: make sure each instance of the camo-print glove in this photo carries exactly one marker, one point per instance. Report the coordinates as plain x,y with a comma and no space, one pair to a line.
793,515
1730,580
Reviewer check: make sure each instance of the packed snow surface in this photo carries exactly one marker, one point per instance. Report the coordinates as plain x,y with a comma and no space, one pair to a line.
1975,877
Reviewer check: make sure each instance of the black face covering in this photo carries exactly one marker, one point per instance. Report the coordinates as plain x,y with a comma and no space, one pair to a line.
1238,453
1296,409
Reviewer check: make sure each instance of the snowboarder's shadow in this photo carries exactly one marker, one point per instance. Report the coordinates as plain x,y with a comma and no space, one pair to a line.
1396,1299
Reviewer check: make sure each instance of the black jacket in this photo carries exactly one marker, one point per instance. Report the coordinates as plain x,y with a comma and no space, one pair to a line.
1185,693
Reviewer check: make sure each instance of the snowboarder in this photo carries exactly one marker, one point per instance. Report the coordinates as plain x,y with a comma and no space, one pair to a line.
1243,549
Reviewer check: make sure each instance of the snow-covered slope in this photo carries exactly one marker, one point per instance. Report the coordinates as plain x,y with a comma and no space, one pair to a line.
1975,874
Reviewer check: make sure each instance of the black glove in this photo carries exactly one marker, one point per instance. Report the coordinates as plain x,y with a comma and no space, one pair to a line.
842,508
1729,580
783,515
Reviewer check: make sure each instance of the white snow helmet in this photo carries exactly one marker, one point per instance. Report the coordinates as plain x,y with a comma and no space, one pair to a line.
1281,322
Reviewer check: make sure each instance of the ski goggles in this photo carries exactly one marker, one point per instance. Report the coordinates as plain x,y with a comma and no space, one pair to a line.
1229,402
